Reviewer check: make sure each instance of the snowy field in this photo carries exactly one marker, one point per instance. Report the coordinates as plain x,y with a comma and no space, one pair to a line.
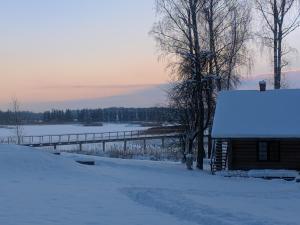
32,130
39,188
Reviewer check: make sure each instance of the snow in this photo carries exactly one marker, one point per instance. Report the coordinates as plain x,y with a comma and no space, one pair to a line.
255,114
273,173
41,188
264,173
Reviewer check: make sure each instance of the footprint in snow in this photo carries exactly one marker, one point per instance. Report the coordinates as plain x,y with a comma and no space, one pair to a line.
175,203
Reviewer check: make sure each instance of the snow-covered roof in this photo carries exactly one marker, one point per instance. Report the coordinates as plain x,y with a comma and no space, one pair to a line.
255,114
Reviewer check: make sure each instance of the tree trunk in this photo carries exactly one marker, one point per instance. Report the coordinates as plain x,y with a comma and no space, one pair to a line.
200,152
279,55
275,34
212,60
209,144
200,138
189,153
183,149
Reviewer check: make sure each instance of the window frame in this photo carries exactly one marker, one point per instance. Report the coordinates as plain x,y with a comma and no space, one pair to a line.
268,142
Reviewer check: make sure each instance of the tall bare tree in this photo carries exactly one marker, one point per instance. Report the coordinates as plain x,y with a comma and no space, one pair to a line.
178,36
226,34
281,17
204,41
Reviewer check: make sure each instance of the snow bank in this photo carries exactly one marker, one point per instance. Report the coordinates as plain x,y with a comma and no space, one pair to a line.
268,173
20,160
232,173
273,173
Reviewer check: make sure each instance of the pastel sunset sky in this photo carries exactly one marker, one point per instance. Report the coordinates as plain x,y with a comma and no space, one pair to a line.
56,50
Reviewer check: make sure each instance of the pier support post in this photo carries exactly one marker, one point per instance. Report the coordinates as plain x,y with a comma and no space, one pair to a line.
163,143
80,147
144,144
125,145
103,146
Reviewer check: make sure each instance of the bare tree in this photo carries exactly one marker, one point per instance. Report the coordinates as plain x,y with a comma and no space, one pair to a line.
204,41
226,34
281,17
17,120
178,36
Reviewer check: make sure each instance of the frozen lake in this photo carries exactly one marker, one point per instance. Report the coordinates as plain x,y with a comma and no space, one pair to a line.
29,130
135,149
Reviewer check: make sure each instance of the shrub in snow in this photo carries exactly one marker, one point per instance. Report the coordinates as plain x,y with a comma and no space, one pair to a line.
134,150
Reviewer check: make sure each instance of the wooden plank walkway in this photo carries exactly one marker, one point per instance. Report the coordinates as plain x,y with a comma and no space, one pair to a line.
86,138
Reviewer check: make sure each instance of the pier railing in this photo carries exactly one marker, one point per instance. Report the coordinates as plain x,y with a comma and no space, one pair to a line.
80,137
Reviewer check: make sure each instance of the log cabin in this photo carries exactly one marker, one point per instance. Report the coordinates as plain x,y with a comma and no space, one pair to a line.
257,130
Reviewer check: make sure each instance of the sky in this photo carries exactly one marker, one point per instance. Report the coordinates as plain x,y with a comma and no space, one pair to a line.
62,50
69,49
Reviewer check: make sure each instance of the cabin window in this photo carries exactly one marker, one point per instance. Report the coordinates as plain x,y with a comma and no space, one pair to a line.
263,151
274,151
268,151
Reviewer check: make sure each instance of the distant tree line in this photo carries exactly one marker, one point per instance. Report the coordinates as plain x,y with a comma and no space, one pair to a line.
154,114
8,117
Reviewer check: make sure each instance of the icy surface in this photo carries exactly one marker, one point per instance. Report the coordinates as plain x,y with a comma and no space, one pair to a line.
70,129
254,114
40,188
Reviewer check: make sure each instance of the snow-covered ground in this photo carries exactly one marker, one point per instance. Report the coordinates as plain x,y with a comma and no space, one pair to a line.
38,188
38,130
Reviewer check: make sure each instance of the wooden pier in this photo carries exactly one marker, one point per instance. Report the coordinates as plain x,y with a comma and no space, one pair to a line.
89,138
